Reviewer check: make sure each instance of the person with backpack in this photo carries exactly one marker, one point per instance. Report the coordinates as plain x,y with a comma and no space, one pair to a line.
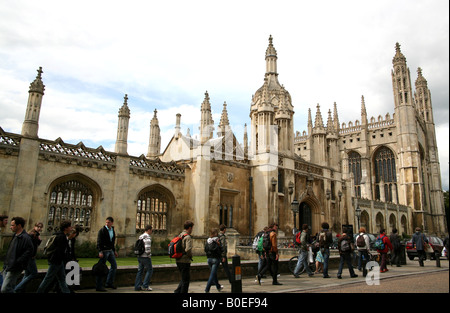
184,262
56,260
383,249
418,240
224,245
257,246
144,260
213,251
345,250
362,246
303,254
325,241
18,255
270,252
395,240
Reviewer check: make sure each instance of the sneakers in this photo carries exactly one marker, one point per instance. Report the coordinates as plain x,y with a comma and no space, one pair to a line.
146,289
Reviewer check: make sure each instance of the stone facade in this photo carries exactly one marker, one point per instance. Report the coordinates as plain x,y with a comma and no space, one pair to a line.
388,167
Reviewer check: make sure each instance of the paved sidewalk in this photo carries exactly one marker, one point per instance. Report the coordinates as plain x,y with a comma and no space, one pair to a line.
290,283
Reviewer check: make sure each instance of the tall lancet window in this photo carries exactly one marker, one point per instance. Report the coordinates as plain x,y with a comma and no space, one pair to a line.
354,165
152,209
385,175
71,200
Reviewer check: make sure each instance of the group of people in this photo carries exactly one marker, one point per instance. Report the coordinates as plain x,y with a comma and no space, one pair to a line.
216,252
22,250
21,254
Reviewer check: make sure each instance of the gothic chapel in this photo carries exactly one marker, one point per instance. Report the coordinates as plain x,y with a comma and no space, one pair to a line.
376,172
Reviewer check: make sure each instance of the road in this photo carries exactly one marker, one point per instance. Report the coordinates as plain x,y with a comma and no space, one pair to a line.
436,282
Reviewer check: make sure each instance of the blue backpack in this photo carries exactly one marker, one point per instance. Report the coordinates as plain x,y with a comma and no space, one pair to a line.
379,244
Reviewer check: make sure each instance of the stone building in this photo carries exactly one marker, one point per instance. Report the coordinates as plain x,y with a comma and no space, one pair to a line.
385,168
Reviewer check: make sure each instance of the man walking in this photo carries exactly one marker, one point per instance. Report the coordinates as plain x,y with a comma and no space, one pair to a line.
303,256
18,255
325,240
184,263
271,255
418,240
223,244
107,252
56,260
145,262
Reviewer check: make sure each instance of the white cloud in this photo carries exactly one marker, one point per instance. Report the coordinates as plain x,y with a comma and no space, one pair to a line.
165,54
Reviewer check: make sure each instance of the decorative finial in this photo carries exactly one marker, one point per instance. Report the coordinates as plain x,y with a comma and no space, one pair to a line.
40,71
125,99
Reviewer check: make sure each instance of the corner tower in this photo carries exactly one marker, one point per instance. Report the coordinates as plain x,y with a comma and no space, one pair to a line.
36,92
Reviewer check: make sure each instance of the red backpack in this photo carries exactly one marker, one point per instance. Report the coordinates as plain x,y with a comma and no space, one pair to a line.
176,250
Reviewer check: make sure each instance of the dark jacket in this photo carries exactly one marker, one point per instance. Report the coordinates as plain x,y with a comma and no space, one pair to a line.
326,243
104,242
62,249
417,240
19,252
35,240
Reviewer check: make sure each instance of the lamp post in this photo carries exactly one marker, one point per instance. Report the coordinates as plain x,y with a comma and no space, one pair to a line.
358,215
295,207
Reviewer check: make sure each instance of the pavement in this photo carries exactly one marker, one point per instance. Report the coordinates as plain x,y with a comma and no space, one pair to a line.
290,284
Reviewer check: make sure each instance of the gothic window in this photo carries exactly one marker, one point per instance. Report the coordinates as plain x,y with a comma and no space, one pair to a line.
65,204
152,209
354,165
385,175
227,207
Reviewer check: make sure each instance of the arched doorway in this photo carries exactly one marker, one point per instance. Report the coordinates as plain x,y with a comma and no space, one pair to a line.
305,215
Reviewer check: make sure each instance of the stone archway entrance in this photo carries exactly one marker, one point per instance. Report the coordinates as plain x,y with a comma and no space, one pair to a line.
309,213
304,215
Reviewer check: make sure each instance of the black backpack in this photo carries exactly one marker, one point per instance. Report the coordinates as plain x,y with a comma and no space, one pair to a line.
267,244
139,247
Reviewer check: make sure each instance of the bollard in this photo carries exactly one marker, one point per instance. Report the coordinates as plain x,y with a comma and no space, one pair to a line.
437,255
236,284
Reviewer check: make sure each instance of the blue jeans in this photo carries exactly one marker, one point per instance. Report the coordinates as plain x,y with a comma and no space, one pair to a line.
213,265
111,258
144,263
55,271
30,273
9,281
346,257
326,257
302,260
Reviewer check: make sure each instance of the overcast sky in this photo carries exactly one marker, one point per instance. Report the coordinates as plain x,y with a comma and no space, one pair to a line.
166,54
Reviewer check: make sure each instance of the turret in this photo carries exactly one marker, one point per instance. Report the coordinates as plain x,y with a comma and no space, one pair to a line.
122,128
30,125
154,144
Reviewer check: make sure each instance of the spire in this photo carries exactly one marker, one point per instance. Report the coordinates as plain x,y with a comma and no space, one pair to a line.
224,123
30,125
363,107
154,143
421,81
37,85
318,123
122,127
206,121
336,118
271,58
330,125
398,57
310,124
124,110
